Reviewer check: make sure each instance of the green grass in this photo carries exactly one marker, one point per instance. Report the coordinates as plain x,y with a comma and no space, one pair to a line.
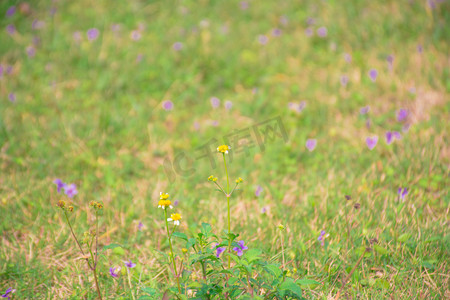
90,114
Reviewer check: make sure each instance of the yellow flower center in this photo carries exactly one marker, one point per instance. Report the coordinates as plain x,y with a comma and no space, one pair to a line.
175,217
164,196
164,202
223,148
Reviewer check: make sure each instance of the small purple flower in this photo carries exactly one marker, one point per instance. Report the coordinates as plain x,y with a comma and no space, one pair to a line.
70,190
389,137
177,46
344,80
59,184
140,226
347,57
373,74
262,39
263,209
311,144
276,32
368,123
10,11
309,32
301,106
129,264
364,110
372,142
11,29
176,202
36,25
240,249
8,293
12,97
419,48
310,21
215,102
31,51
322,31
258,191
167,105
92,34
113,273
402,115
135,35
219,250
244,5
397,135
321,237
228,105
402,192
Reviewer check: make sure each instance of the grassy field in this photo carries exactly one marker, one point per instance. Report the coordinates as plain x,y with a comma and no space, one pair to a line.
127,99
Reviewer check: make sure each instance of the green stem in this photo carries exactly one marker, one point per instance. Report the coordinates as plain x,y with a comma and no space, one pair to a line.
76,240
95,274
129,283
229,211
96,239
171,251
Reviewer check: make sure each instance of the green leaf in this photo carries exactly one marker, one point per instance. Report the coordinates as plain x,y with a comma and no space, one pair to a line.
382,283
206,229
404,237
111,246
252,255
180,235
290,286
380,250
190,243
233,257
273,270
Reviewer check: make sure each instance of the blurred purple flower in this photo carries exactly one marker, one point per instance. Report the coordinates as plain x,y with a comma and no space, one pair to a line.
368,123
405,127
53,11
92,34
112,272
240,248
364,110
36,25
344,80
228,105
10,11
402,114
397,135
276,32
139,57
263,209
59,184
215,102
12,97
372,142
254,90
8,293
262,39
177,46
70,190
11,29
390,59
9,70
215,123
311,144
402,192
219,250
135,35
258,191
321,237
347,57
431,4
129,264
36,40
284,20
167,105
244,5
310,21
140,226
373,74
77,36
31,51
389,137
309,31
115,27
419,48
322,31
176,202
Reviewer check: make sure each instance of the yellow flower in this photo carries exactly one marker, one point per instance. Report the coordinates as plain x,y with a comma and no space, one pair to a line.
175,218
164,203
239,180
163,196
61,203
223,149
212,178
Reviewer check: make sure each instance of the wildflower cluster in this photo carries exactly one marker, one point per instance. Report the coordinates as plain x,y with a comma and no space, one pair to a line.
62,204
96,205
164,201
223,149
212,178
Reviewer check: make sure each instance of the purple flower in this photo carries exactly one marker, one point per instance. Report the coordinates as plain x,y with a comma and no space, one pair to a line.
276,32
129,264
31,51
70,190
244,5
322,31
311,144
240,248
59,184
11,11
140,226
397,135
176,202
262,39
389,137
373,74
258,191
309,31
321,237
12,97
113,273
402,114
228,105
347,57
310,21
11,29
419,48
364,110
390,59
215,102
37,24
372,142
8,293
135,35
402,192
344,80
167,105
219,250
263,209
177,46
92,34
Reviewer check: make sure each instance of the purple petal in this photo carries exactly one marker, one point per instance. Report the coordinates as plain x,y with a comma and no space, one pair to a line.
373,74
344,80
389,137
311,144
215,102
402,114
11,11
397,135
258,191
322,31
364,110
371,142
167,105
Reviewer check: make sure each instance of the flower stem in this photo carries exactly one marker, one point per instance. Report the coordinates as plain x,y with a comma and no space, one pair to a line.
229,211
129,283
171,251
282,249
76,240
95,273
